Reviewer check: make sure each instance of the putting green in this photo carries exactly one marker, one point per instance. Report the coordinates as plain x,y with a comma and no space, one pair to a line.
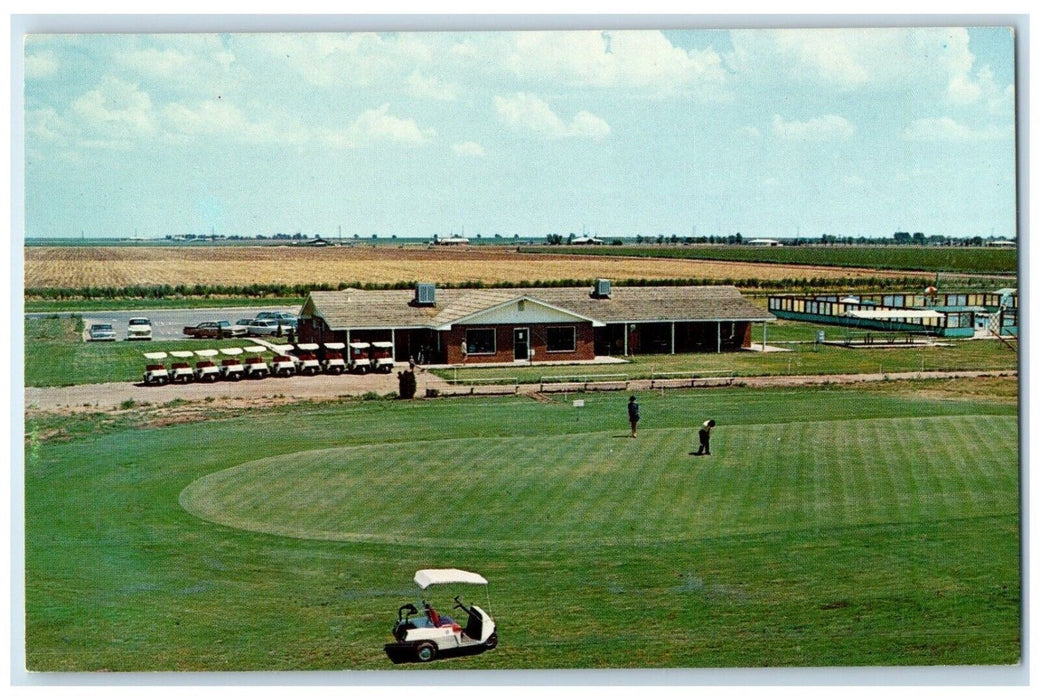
604,488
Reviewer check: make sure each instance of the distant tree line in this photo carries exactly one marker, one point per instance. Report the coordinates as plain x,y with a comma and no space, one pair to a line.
898,238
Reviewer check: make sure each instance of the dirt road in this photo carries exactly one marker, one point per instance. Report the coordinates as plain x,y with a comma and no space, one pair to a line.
92,397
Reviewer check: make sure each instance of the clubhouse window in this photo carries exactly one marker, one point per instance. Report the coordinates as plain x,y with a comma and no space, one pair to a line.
480,341
560,339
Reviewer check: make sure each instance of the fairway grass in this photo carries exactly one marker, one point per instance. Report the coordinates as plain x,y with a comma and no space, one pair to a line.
603,489
830,527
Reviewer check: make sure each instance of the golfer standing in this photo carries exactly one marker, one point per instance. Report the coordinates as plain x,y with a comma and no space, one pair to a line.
705,436
633,413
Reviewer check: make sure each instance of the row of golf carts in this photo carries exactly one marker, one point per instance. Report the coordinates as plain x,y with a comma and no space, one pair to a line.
250,362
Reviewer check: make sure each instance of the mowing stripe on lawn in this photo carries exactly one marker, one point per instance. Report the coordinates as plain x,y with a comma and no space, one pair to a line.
601,488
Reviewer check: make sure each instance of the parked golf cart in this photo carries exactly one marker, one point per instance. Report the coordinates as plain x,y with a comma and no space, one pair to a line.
306,361
255,366
231,368
357,357
423,634
281,364
382,354
180,371
205,369
156,373
332,358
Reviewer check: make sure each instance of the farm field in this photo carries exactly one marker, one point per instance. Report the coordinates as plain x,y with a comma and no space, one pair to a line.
82,267
830,527
920,258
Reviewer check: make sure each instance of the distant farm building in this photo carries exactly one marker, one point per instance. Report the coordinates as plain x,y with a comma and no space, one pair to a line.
950,315
564,324
452,240
586,240
765,242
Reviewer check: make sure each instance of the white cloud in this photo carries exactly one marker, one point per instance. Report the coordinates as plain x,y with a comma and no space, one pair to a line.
159,63
430,87
47,126
115,108
527,113
40,65
630,59
221,118
932,62
379,126
749,132
468,148
329,60
947,129
826,128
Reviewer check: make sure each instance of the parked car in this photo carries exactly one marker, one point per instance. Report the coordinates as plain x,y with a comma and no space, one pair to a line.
283,321
262,326
215,329
101,332
139,329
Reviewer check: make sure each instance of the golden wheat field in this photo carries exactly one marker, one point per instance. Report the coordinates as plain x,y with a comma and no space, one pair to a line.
75,267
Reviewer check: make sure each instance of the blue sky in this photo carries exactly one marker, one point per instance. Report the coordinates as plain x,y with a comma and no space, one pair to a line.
769,132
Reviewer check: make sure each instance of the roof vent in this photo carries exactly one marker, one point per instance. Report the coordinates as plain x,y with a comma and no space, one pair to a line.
425,294
601,290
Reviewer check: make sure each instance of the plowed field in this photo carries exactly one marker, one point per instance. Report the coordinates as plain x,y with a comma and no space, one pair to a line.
75,267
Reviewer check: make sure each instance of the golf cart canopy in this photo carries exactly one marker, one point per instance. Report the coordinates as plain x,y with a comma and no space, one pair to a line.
428,577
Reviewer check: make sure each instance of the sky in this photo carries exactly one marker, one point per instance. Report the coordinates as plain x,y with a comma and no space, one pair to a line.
767,132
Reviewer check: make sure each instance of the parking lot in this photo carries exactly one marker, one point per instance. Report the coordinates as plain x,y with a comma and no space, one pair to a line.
168,324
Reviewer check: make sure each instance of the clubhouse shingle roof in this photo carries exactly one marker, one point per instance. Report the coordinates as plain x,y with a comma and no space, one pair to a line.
357,308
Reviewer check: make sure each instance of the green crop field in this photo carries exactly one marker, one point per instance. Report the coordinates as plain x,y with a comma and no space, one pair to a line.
830,527
891,257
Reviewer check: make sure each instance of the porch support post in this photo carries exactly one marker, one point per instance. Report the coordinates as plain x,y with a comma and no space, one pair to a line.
673,337
393,342
625,329
718,336
765,330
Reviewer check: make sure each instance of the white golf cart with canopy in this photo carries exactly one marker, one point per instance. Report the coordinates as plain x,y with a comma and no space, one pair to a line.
424,634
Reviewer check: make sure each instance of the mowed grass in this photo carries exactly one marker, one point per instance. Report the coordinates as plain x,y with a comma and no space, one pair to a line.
829,527
602,488
57,355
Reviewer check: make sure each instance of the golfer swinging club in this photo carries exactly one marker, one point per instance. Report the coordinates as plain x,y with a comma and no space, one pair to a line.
705,436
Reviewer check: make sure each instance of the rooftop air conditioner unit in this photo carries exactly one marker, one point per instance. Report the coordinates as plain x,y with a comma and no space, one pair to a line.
602,289
425,294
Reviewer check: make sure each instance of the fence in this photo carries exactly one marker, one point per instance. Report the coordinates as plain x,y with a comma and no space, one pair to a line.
677,378
584,381
512,383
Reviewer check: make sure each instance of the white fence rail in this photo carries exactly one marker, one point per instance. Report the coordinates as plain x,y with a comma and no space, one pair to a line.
674,378
583,381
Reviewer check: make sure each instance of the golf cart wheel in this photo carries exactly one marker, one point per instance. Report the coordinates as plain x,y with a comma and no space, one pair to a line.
492,641
425,651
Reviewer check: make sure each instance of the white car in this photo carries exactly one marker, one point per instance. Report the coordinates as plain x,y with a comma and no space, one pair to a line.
423,634
139,329
101,332
262,326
